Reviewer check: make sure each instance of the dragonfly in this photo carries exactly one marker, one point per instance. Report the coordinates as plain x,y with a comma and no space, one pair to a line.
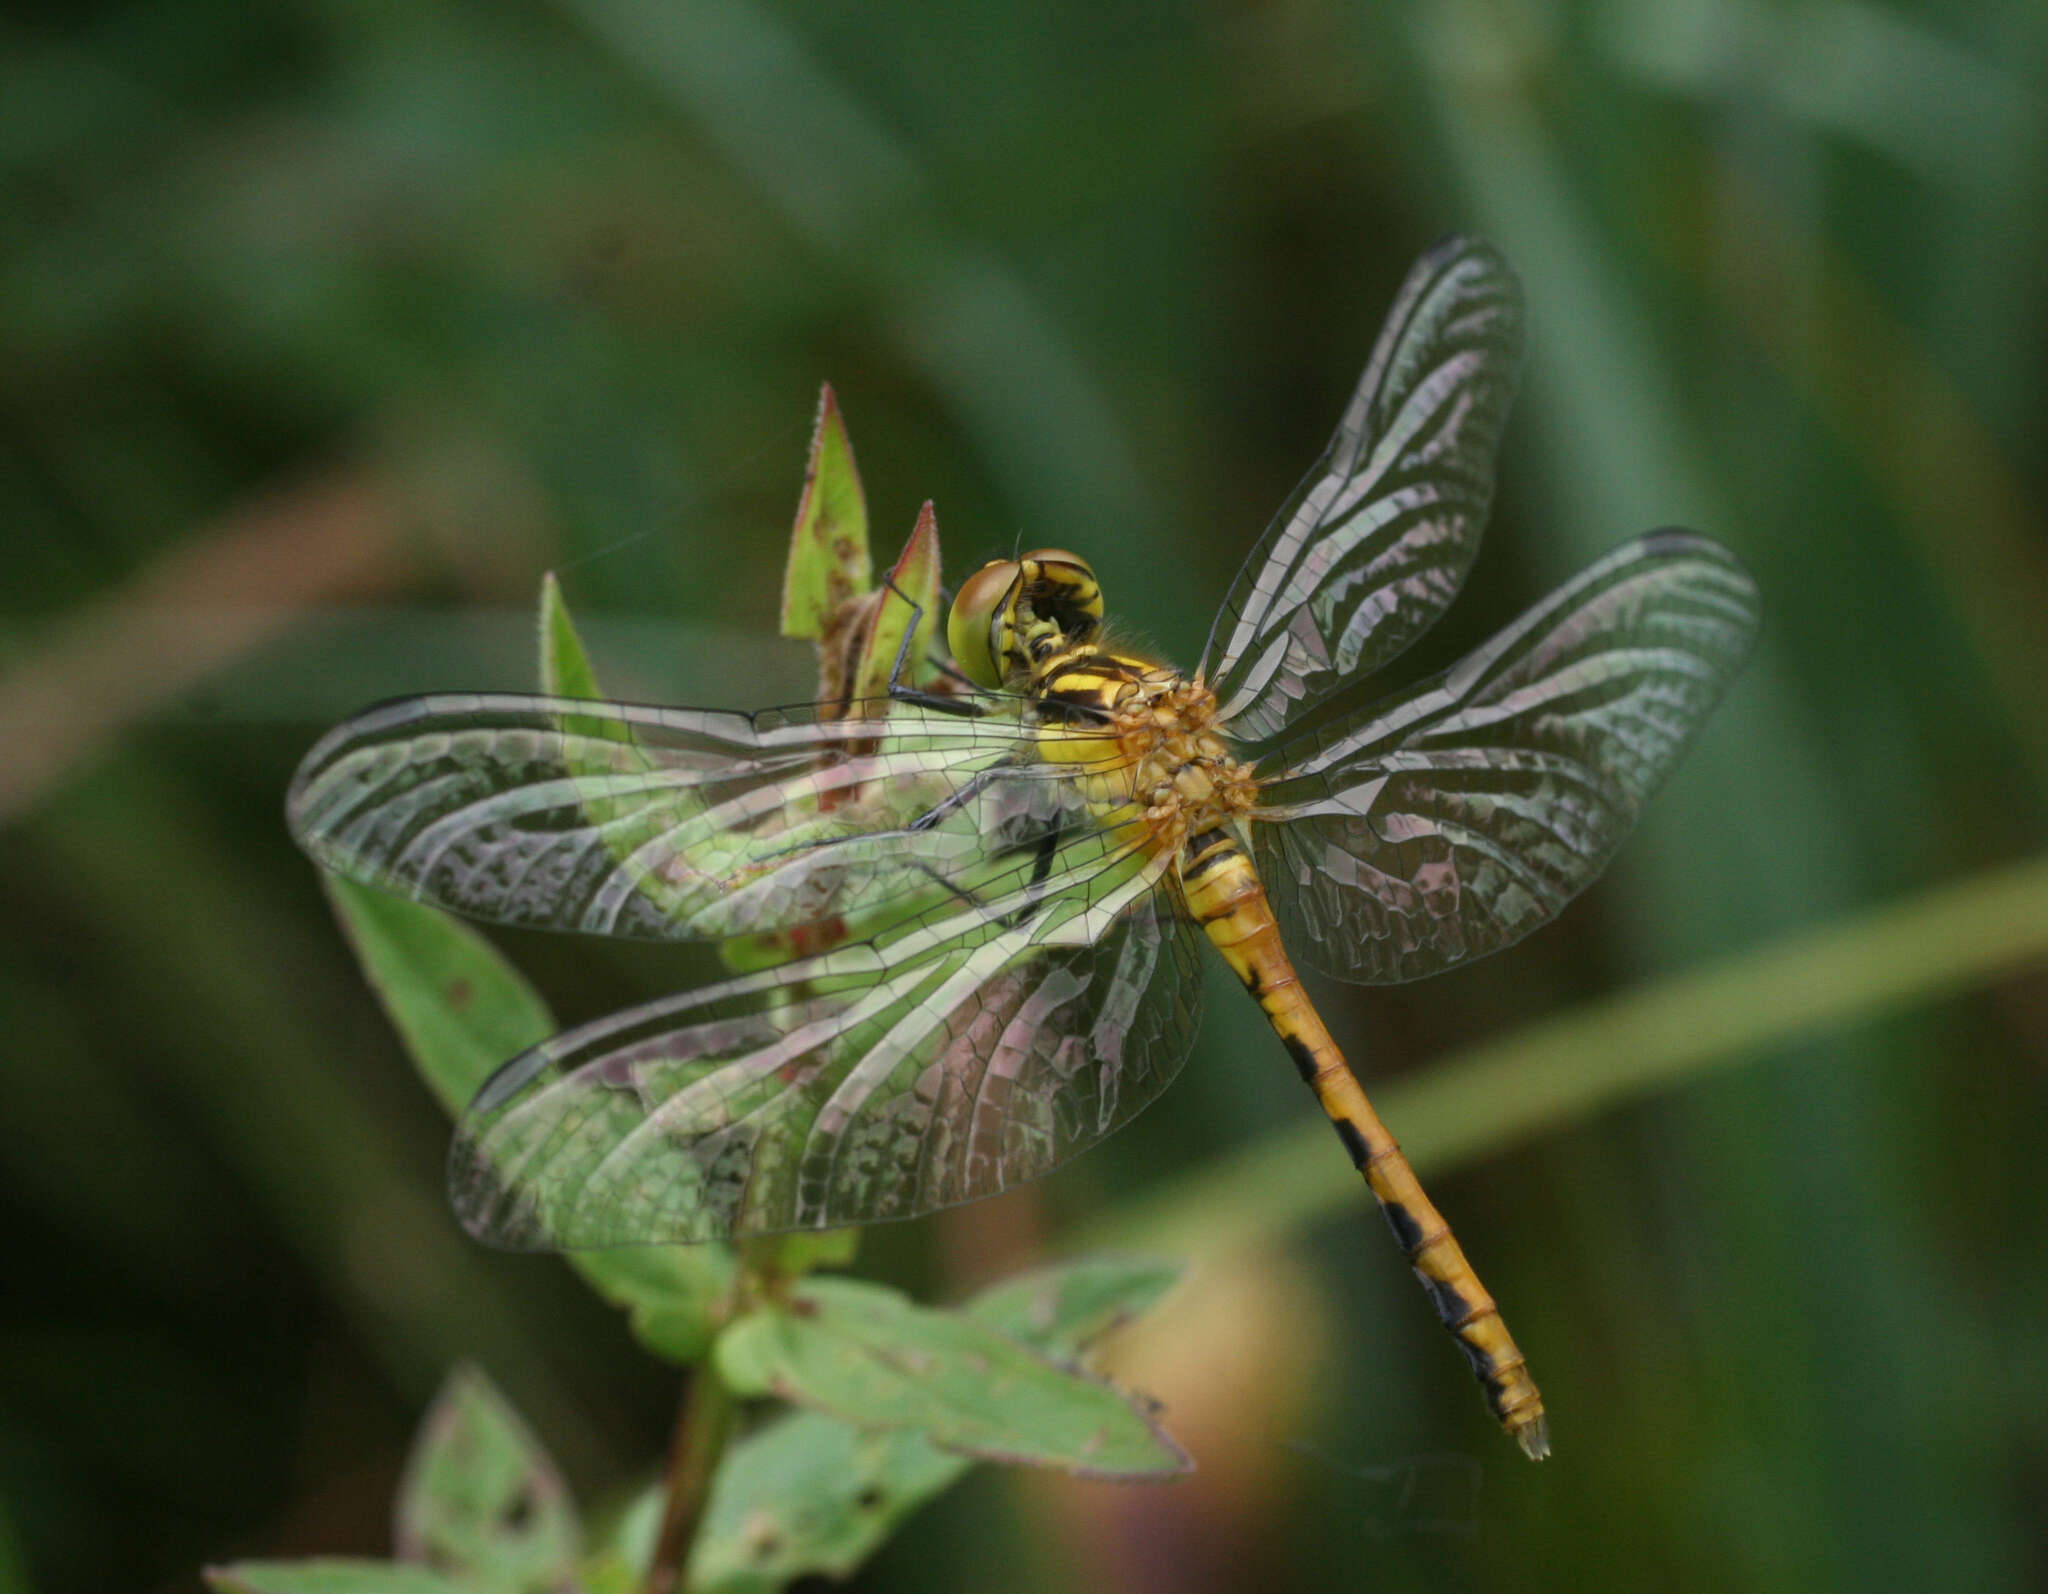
993,899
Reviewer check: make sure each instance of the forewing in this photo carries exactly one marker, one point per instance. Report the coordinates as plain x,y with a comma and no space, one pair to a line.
1458,817
947,1060
1377,540
672,824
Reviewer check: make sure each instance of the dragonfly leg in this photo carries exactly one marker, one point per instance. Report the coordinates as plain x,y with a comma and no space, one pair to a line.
955,801
1041,867
943,702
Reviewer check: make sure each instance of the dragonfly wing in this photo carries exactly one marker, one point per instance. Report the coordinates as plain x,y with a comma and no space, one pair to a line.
670,824
1377,540
947,1060
1456,818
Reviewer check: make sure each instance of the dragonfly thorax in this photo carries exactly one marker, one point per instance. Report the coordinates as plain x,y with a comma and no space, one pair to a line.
1150,734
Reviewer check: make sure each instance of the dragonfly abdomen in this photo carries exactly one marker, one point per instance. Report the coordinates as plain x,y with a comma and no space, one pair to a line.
1226,897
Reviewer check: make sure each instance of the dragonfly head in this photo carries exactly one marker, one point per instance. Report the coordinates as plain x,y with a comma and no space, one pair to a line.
1011,613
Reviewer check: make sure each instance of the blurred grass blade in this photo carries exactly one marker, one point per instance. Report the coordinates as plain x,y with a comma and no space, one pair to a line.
842,179
333,1576
481,1500
1569,1067
109,663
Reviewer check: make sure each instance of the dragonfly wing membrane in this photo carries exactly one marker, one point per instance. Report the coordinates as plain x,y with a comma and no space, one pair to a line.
1454,819
669,824
1377,540
949,1059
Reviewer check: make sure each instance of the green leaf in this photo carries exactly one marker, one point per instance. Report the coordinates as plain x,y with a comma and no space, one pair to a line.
673,1294
806,1494
462,1010
777,1258
828,550
480,1500
911,592
1068,1305
566,671
330,1576
802,1496
869,1356
565,667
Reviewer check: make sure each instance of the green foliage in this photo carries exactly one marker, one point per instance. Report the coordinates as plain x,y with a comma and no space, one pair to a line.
459,1006
565,667
870,1357
674,1295
1065,1307
481,1502
829,563
808,1494
776,1258
462,1009
483,1510
805,1495
911,595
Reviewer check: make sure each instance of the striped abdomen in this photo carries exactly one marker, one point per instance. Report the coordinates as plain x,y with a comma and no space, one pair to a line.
1225,895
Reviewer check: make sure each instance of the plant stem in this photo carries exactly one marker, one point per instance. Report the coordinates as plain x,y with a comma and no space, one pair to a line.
703,1428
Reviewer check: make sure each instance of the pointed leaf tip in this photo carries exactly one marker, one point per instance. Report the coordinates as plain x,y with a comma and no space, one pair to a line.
566,670
829,560
565,667
911,591
480,1498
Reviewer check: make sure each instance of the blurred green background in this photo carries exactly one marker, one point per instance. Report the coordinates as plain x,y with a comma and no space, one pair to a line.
325,328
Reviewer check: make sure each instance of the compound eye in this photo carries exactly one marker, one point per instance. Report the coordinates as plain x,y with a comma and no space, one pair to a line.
1063,589
983,600
1060,556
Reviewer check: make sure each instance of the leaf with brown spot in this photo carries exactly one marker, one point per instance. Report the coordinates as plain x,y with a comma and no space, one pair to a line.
911,594
480,1501
806,1494
868,1355
828,549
